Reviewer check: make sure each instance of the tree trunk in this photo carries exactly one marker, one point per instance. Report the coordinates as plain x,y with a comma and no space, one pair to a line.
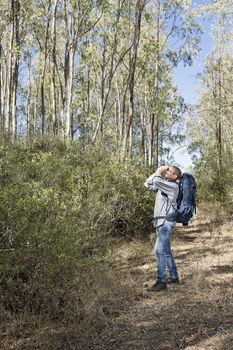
8,94
69,90
71,42
28,100
53,79
155,113
131,78
42,83
103,94
15,76
1,89
105,90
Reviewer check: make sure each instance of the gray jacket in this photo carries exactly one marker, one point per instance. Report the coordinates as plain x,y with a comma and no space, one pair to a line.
165,201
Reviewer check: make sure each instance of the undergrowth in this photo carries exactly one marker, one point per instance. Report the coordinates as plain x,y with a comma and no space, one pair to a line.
62,209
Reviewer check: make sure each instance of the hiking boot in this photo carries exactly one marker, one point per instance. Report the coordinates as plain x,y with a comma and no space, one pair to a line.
157,287
173,280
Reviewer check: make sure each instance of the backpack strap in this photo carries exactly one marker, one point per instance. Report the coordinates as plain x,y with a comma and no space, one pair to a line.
159,217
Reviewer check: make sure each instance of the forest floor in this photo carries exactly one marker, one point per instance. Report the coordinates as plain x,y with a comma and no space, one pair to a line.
197,314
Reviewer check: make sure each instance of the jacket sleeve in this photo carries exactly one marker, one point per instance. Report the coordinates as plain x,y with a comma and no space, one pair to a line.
155,183
149,183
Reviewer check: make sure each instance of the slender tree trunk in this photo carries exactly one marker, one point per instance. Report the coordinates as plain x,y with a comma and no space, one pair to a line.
34,115
131,78
143,131
106,88
1,88
151,138
71,42
4,93
15,76
157,143
118,115
102,93
28,100
53,80
155,115
219,129
9,75
42,82
42,104
12,71
61,103
69,91
88,108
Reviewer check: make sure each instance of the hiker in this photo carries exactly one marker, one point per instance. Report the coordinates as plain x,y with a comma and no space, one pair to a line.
164,182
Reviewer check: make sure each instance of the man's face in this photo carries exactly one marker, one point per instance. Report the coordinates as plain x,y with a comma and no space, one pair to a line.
170,174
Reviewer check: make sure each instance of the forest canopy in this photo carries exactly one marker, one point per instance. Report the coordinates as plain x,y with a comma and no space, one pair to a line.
97,71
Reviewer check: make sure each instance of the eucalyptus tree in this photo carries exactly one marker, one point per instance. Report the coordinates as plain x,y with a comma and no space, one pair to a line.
24,45
112,54
214,111
220,7
139,8
211,124
102,69
169,36
76,19
38,41
9,67
143,60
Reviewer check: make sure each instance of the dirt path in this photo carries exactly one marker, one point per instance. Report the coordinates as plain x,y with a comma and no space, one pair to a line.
197,314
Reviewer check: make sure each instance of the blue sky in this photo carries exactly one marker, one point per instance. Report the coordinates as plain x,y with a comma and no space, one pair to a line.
186,80
186,77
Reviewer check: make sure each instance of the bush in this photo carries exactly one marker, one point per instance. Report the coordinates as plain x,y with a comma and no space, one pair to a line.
61,208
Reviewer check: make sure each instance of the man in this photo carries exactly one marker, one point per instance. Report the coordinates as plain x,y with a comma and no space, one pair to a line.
164,182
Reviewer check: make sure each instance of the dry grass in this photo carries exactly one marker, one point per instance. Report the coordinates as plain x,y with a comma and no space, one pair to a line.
96,296
195,315
117,313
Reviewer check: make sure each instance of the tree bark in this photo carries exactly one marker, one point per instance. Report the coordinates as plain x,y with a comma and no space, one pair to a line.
53,79
1,88
15,76
28,100
42,82
131,77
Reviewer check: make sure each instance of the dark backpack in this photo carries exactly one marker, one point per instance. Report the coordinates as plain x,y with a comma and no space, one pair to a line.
186,204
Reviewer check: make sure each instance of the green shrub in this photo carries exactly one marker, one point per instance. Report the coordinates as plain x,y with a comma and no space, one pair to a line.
60,210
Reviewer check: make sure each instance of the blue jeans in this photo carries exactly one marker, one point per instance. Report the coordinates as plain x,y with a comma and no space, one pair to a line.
163,252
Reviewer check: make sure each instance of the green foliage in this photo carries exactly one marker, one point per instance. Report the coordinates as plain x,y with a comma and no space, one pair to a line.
61,207
210,128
